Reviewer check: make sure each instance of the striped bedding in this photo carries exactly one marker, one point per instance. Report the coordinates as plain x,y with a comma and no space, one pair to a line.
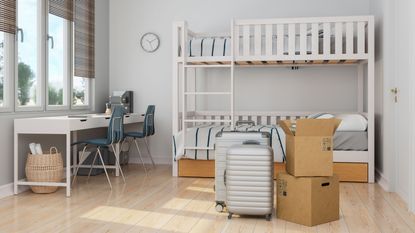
204,136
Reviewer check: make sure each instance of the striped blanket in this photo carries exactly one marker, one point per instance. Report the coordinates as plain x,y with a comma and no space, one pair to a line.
204,136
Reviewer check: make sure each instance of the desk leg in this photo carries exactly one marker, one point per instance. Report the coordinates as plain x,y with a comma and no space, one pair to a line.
68,164
117,154
16,162
74,151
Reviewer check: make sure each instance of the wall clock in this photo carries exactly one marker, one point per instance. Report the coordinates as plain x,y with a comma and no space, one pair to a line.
150,42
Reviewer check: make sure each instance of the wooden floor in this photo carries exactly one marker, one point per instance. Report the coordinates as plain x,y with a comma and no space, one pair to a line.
162,203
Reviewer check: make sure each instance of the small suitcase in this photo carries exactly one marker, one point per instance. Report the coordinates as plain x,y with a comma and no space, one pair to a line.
224,140
249,180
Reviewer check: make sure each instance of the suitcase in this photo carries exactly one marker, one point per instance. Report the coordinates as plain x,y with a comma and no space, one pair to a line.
224,140
249,180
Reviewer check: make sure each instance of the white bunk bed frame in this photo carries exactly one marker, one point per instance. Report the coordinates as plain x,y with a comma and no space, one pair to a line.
353,39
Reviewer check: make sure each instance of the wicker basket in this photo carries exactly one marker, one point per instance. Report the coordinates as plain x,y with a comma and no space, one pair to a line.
44,168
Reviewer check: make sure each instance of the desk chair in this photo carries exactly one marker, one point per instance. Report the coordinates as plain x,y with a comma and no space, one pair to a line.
148,130
115,134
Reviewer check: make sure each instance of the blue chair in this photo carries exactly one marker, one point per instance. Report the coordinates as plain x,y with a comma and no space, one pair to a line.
115,134
148,130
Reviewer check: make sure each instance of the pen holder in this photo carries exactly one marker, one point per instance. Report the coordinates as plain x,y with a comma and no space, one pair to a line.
44,168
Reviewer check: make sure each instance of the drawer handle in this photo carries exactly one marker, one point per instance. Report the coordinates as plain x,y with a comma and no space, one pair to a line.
325,184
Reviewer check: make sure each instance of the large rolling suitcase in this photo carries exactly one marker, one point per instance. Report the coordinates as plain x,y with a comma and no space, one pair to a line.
249,180
224,140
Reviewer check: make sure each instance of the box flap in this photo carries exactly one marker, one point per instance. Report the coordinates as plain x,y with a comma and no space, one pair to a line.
286,126
336,124
316,127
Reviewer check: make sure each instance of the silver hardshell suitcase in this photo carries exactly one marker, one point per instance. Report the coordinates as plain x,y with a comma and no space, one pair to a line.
249,180
224,140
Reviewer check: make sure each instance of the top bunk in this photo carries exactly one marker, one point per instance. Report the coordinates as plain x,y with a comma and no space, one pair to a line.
285,41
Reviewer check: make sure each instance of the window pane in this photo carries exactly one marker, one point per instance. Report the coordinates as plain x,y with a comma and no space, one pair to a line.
57,60
2,67
28,87
80,91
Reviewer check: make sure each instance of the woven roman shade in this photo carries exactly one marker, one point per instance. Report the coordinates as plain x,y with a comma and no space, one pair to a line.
84,19
8,16
61,8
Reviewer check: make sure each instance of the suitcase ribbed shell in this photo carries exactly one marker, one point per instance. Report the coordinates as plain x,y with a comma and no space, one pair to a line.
249,180
225,140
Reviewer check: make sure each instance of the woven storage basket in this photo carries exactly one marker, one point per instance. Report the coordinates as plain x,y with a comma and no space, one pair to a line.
44,168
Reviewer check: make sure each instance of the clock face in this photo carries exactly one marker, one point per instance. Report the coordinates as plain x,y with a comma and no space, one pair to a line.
150,42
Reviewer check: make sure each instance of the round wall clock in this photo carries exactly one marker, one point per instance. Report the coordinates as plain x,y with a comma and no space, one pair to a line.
150,42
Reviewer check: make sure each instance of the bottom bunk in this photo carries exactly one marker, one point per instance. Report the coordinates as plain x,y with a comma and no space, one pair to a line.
347,172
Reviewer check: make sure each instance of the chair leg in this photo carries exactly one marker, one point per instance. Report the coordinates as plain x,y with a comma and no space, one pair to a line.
117,162
148,150
103,165
92,164
79,164
139,154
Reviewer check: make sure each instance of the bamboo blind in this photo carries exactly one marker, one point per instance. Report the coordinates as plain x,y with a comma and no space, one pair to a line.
8,16
62,8
84,19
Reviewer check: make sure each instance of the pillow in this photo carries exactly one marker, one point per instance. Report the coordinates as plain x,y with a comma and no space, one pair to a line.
352,122
320,115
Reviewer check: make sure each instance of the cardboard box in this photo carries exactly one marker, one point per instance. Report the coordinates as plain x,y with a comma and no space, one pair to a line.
309,146
307,200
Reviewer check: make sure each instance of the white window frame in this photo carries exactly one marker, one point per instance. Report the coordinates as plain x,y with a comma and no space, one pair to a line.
41,53
8,84
68,66
11,70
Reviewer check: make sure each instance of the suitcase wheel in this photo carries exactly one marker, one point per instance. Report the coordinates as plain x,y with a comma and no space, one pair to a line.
230,215
268,217
219,207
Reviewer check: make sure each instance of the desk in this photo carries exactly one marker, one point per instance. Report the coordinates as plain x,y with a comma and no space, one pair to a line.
61,125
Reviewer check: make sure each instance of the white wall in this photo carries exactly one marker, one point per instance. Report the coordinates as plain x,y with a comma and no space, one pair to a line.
385,42
149,75
100,96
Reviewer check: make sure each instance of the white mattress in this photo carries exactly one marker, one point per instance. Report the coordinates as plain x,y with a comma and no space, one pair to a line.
204,136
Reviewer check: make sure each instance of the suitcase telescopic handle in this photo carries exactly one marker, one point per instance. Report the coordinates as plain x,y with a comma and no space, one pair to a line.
251,142
224,177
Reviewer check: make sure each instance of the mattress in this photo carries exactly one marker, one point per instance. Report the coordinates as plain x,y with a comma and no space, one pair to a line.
351,140
204,136
221,46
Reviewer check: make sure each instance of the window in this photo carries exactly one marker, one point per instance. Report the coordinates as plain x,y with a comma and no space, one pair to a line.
29,55
80,91
59,61
43,45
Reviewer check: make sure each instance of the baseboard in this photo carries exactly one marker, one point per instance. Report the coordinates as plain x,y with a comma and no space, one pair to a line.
8,190
157,159
382,181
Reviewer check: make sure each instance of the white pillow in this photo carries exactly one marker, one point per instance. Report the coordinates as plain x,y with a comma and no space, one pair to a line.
352,122
320,115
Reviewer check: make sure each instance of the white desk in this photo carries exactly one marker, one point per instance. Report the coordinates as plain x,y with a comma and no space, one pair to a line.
62,125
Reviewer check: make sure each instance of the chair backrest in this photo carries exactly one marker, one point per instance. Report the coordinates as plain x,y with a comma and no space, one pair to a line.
116,127
148,127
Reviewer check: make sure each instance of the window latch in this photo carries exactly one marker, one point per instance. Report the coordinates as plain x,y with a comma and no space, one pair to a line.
51,41
21,34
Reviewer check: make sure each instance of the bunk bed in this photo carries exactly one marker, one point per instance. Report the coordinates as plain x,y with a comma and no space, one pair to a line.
289,42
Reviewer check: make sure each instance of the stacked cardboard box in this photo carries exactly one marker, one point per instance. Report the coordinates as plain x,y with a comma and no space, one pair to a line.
308,193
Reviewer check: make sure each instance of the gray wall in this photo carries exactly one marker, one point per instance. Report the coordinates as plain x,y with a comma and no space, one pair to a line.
149,75
100,95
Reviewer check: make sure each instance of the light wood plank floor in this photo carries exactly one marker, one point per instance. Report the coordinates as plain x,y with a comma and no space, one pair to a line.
162,203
